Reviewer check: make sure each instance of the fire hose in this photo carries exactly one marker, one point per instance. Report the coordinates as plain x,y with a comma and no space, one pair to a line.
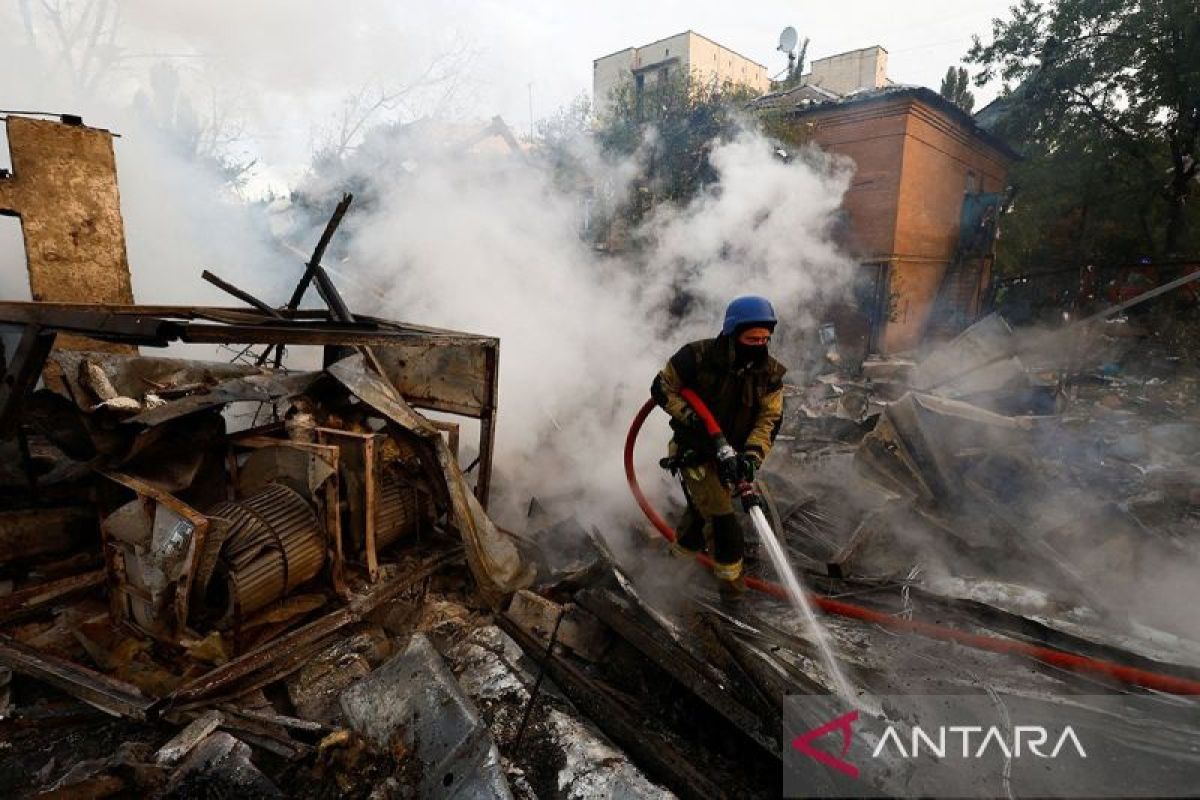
1133,676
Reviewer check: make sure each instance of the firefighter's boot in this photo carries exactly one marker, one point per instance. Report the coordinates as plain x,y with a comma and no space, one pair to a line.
728,551
690,542
732,589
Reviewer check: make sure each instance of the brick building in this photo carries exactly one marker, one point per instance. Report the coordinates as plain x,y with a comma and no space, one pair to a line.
921,208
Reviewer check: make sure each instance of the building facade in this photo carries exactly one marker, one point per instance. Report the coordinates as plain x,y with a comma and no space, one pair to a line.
684,52
922,167
849,72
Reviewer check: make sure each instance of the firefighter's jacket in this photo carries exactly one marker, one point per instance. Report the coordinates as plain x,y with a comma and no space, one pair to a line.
747,402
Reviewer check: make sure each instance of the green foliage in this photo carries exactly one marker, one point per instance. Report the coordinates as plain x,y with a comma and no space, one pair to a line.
562,141
1102,97
671,125
956,88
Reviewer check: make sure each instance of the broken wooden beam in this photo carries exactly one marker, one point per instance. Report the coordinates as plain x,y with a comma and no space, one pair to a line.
240,294
33,598
183,742
272,656
31,532
678,663
24,369
1141,298
281,657
267,718
107,694
319,251
626,727
312,270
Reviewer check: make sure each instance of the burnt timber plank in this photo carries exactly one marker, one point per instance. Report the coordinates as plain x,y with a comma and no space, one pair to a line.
624,727
678,663
107,694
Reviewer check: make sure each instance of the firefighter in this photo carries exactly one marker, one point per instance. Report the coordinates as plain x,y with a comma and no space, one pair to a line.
742,385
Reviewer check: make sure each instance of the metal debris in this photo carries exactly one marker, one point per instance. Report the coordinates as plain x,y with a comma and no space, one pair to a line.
414,699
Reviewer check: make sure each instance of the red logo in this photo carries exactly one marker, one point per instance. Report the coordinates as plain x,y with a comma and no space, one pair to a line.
843,723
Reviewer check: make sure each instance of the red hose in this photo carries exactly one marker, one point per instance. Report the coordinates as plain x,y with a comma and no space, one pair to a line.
698,405
1047,655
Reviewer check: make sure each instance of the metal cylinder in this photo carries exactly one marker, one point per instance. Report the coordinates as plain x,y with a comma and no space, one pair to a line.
273,542
400,508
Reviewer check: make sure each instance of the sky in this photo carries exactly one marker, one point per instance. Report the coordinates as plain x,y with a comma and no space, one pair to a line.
282,69
561,40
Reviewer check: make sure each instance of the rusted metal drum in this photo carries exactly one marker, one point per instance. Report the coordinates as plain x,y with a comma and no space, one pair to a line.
400,509
266,545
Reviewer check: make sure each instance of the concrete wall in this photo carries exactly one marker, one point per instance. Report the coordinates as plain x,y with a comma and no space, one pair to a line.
63,188
913,164
710,61
845,72
608,73
706,59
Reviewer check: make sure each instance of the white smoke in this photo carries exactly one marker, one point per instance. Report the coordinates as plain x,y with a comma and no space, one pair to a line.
486,243
479,241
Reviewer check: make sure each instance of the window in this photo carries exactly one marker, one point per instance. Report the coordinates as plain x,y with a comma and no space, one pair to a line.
972,186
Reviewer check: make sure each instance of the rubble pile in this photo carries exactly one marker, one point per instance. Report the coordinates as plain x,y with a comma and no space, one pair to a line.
221,547
313,603
290,588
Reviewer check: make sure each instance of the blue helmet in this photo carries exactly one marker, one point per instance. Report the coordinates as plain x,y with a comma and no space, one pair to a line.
747,311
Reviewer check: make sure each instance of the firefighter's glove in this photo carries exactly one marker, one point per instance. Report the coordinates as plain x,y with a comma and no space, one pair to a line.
691,422
748,464
727,463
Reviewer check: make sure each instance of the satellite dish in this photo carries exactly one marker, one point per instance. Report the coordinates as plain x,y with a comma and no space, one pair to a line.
788,39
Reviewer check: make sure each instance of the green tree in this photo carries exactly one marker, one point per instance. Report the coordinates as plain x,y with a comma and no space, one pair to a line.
1103,99
671,123
563,141
956,88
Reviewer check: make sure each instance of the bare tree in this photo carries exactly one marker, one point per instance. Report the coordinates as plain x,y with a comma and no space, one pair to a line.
80,43
77,37
431,93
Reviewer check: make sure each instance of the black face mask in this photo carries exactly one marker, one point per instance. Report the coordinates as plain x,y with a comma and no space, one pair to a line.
749,355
